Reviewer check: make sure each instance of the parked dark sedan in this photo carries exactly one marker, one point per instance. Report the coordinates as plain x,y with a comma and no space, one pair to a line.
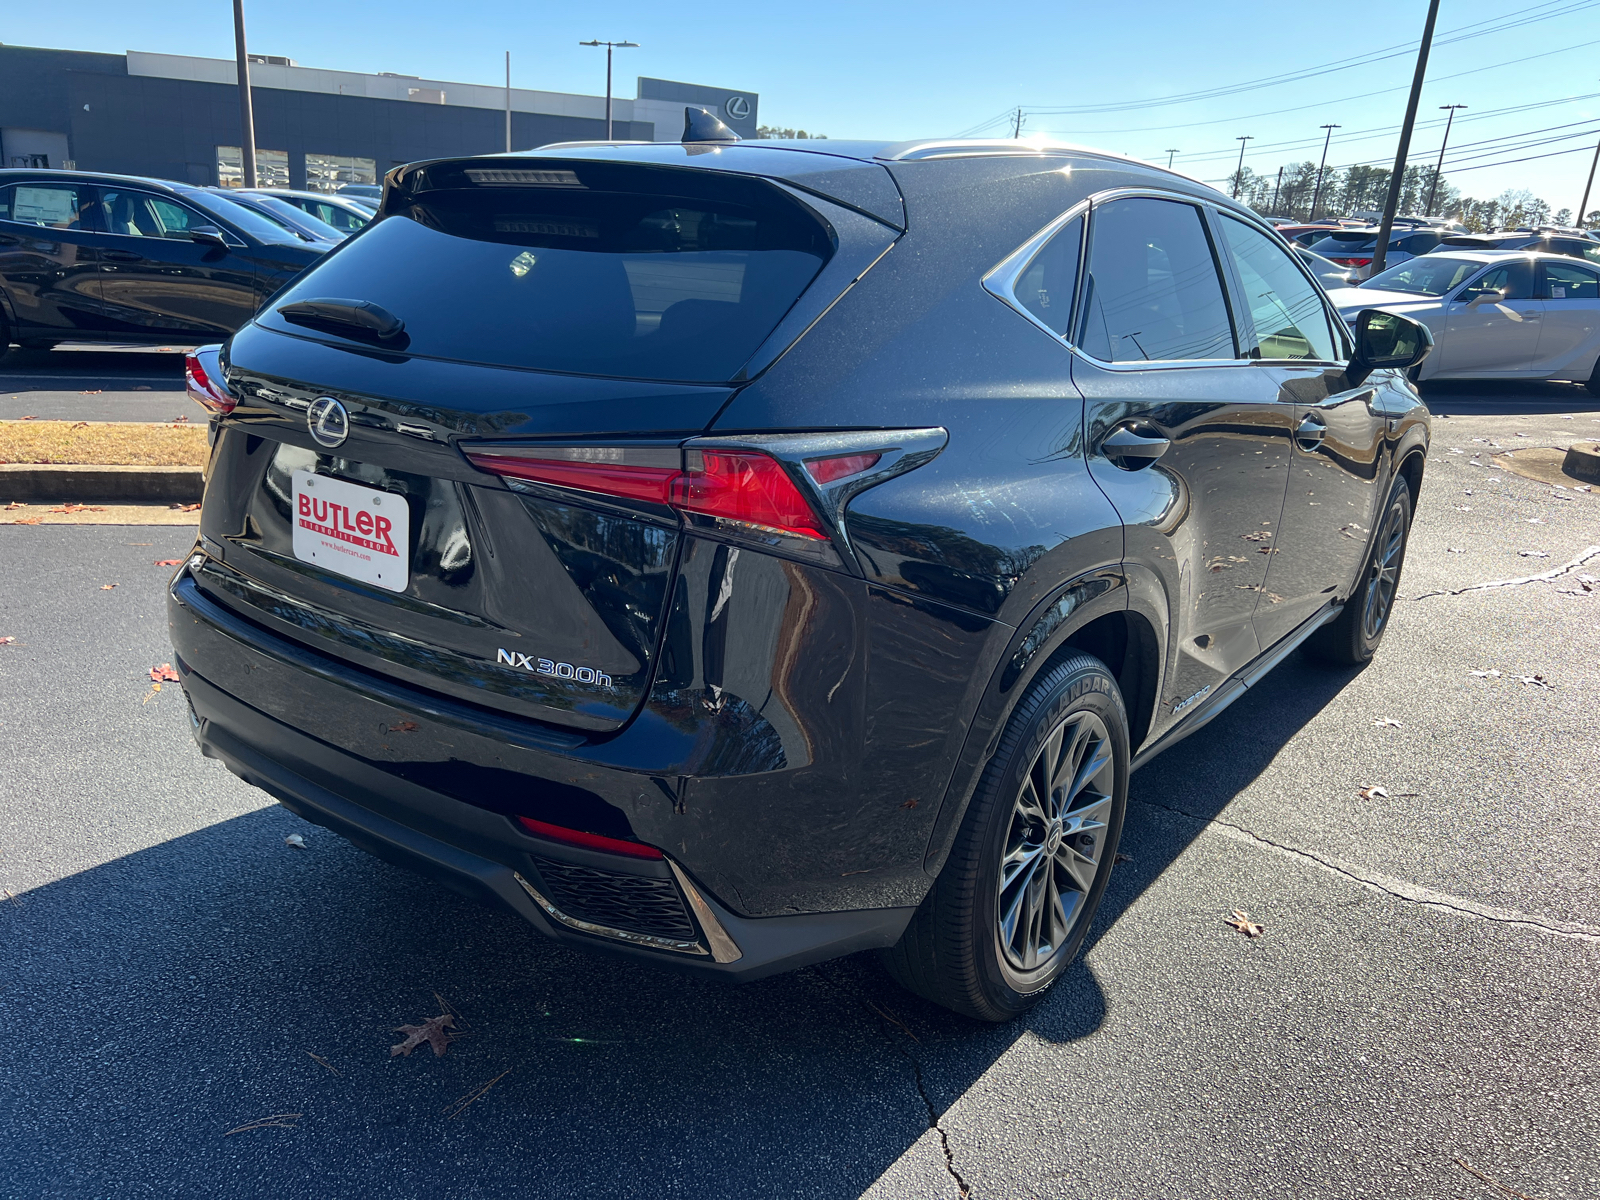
738,555
87,257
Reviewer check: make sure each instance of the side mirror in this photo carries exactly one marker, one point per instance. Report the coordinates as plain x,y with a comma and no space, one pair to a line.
1491,296
1386,341
208,235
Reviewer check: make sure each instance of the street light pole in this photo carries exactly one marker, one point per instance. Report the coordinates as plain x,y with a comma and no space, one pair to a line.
1316,193
1277,190
1427,210
508,102
247,120
1170,153
1584,203
1238,176
610,46
1380,252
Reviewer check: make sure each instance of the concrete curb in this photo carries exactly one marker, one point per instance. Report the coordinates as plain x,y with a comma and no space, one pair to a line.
1584,462
30,483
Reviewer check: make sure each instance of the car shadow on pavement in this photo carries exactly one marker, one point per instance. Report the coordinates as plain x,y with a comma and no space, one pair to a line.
1497,397
163,999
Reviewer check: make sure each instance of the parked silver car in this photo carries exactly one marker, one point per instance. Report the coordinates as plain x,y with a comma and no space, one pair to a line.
344,213
1494,314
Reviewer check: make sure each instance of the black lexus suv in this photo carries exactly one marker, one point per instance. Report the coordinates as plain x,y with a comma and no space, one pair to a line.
736,555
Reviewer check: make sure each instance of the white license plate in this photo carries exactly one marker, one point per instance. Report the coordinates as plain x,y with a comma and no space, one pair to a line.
352,530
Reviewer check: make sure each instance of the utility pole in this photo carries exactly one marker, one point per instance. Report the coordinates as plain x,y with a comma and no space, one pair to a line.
247,120
1277,188
1427,210
1170,153
1316,193
1380,252
1584,203
1238,176
1016,124
508,102
610,46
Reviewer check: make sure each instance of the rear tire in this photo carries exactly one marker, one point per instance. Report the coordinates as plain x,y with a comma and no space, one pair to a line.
1009,912
1352,638
1594,379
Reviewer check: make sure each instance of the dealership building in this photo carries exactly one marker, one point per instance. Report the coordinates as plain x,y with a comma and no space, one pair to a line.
177,117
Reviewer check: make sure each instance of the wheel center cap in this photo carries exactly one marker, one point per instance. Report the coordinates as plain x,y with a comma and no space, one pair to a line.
1054,836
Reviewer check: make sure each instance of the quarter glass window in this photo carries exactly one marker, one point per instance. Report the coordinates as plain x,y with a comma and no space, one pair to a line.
48,205
1285,306
1046,286
1153,293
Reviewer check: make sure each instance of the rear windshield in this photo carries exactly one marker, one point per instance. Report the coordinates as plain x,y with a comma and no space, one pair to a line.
1425,276
587,275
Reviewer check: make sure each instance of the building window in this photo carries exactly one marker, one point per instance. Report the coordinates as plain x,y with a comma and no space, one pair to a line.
272,167
330,172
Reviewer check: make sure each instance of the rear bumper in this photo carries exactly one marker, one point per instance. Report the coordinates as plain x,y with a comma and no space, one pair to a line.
474,850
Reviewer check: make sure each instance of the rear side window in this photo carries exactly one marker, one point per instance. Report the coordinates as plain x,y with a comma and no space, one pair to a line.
1562,282
588,275
48,205
1046,286
1153,292
1285,307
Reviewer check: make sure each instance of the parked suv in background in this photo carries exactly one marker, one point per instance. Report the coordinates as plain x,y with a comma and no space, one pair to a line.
87,257
1354,248
344,213
1573,245
733,555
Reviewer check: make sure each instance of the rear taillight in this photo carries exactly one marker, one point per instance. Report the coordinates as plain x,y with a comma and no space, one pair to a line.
202,377
1353,262
741,486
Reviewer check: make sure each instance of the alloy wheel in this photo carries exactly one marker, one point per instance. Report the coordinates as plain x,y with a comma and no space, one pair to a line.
1055,841
1383,577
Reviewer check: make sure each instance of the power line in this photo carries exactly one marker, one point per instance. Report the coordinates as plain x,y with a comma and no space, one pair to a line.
1457,35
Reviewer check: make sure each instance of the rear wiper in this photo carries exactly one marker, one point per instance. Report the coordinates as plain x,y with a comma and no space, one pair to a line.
360,320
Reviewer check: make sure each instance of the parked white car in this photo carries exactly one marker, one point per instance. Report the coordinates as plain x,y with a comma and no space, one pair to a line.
1494,314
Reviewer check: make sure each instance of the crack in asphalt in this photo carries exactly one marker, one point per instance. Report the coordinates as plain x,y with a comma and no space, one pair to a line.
1547,577
1400,889
933,1114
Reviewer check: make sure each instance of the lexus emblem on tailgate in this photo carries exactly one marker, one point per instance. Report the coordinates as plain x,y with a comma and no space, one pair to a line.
328,422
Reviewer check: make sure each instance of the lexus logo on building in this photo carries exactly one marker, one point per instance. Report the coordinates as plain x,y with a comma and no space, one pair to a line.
328,422
737,107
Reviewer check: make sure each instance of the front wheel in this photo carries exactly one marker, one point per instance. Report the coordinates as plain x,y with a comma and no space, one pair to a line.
1015,900
1594,379
1352,637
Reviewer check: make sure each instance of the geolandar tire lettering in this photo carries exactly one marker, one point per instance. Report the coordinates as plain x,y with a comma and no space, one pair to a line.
549,667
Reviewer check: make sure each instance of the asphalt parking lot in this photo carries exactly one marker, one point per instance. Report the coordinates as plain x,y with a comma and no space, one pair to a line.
1420,1018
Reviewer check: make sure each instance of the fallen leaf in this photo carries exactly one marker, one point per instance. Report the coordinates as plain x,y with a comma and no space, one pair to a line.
431,1031
182,420
275,1121
1374,792
184,507
6,641
1454,550
1535,681
164,673
91,391
1255,537
106,587
404,727
1388,722
78,508
168,562
1533,554
81,425
912,803
27,520
15,504
296,841
30,418
1121,858
1241,921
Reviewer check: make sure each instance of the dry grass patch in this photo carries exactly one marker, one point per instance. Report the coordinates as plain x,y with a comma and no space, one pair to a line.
103,443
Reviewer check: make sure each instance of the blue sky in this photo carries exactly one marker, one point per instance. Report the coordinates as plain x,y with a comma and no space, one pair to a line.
937,69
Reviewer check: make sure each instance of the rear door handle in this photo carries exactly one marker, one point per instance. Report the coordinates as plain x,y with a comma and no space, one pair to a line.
1310,432
122,255
1137,449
